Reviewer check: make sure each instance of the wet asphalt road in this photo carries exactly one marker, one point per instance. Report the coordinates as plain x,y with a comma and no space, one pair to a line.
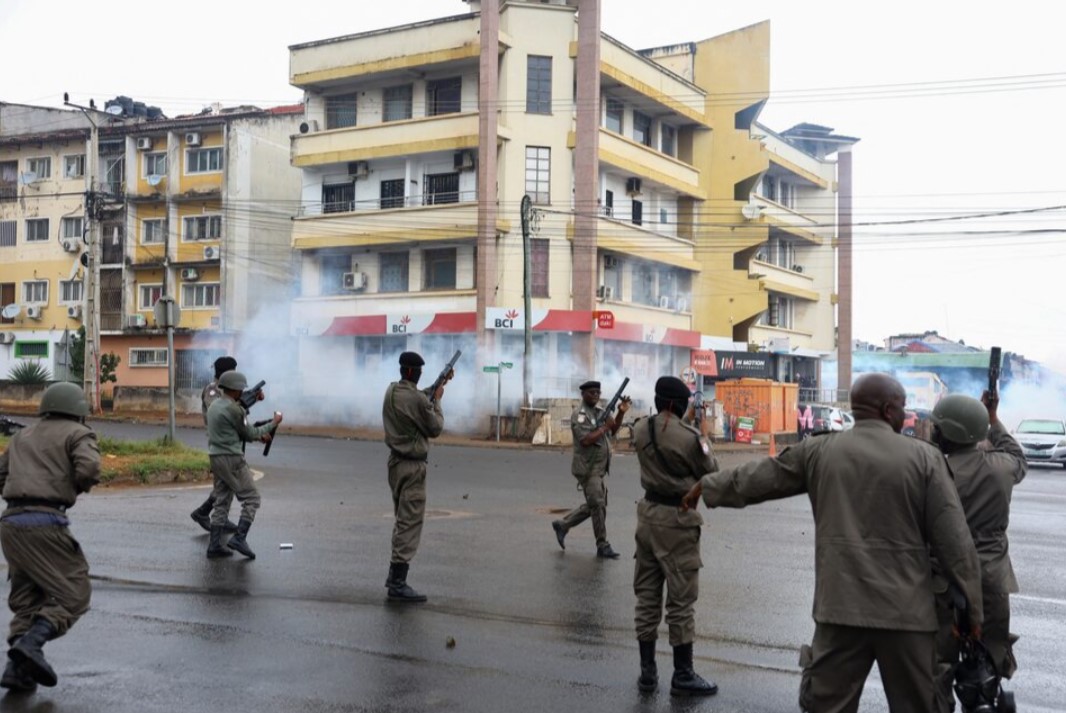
536,628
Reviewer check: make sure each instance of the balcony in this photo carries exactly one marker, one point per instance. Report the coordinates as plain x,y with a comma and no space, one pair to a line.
642,161
633,240
394,138
779,279
384,226
650,82
795,224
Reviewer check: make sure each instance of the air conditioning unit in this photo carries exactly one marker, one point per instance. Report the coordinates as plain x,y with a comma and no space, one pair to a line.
74,311
682,304
311,125
760,256
144,144
610,262
633,186
751,211
190,274
665,301
605,292
358,169
33,312
355,281
797,268
7,337
211,252
70,245
192,138
137,321
463,160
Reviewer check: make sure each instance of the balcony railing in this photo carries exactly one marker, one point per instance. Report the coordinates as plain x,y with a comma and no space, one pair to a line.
391,203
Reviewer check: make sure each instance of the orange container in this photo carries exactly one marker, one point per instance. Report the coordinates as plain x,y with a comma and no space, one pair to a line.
771,403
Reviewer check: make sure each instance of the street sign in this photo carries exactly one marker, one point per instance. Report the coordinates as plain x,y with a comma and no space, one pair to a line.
491,369
507,364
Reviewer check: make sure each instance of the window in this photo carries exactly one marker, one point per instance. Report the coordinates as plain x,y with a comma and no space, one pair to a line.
538,173
7,296
114,175
538,84
9,177
148,357
769,188
664,216
199,295
8,230
780,313
668,140
644,291
203,227
397,103
608,204
441,188
392,193
638,213
642,128
614,115
444,96
42,167
539,261
341,111
203,160
787,194
394,274
149,295
35,291
31,350
74,166
155,164
72,227
439,269
338,197
36,230
153,231
70,290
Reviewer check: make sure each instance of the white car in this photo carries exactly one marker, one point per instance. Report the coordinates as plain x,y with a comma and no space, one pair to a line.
1043,440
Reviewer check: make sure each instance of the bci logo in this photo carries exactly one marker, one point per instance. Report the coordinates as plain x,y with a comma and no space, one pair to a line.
508,321
401,328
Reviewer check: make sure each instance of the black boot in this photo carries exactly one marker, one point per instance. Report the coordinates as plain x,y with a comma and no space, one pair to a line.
607,552
214,544
687,682
239,541
649,672
397,584
202,516
17,680
560,532
26,653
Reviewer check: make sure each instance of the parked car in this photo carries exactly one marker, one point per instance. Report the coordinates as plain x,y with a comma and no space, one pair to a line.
823,419
1043,440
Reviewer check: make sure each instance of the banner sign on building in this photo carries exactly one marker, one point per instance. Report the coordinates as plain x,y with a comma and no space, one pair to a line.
738,365
704,362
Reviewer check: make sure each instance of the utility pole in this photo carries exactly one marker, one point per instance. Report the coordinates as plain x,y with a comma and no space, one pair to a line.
527,290
844,281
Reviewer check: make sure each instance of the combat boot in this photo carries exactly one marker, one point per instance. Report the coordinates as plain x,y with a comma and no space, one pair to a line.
27,655
560,532
399,591
214,544
239,542
649,672
686,682
17,680
202,517
607,552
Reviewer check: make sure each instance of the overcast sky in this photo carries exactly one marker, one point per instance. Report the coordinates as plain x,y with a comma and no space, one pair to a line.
974,123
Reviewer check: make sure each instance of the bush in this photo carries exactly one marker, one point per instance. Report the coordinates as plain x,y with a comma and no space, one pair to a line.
29,372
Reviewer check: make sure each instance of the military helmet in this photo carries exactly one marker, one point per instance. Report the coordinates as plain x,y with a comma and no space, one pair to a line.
962,419
233,380
64,397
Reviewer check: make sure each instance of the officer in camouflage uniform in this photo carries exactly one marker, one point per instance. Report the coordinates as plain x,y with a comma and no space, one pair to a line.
673,457
45,468
202,515
985,480
880,501
227,430
411,417
591,465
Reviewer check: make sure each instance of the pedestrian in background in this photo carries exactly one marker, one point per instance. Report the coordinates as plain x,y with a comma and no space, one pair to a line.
881,502
673,457
591,465
45,468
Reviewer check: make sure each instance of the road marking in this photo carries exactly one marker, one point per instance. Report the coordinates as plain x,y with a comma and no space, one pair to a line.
1042,600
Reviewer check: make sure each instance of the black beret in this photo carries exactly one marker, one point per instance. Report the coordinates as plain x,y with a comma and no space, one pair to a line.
589,385
224,364
671,388
411,359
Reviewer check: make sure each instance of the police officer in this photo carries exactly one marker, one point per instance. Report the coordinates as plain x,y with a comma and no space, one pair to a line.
227,430
411,417
46,466
591,464
880,501
985,480
673,457
202,515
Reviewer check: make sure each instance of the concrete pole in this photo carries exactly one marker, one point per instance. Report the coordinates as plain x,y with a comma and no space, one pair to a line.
487,168
844,274
93,205
527,294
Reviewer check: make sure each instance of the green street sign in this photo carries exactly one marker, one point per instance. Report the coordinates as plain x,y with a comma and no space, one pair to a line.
491,369
507,364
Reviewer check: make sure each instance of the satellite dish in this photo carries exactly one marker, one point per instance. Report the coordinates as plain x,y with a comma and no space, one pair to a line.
11,311
114,109
27,177
155,179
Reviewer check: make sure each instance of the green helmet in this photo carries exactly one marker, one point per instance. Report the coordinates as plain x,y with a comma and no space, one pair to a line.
64,397
962,419
233,380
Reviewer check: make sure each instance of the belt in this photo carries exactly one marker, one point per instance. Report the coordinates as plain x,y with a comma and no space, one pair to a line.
653,497
401,456
36,502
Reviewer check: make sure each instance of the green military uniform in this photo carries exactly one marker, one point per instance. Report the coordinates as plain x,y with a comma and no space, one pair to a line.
590,465
410,420
208,396
880,502
985,480
227,430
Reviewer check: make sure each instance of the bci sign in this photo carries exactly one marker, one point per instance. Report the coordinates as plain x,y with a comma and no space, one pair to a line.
508,320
